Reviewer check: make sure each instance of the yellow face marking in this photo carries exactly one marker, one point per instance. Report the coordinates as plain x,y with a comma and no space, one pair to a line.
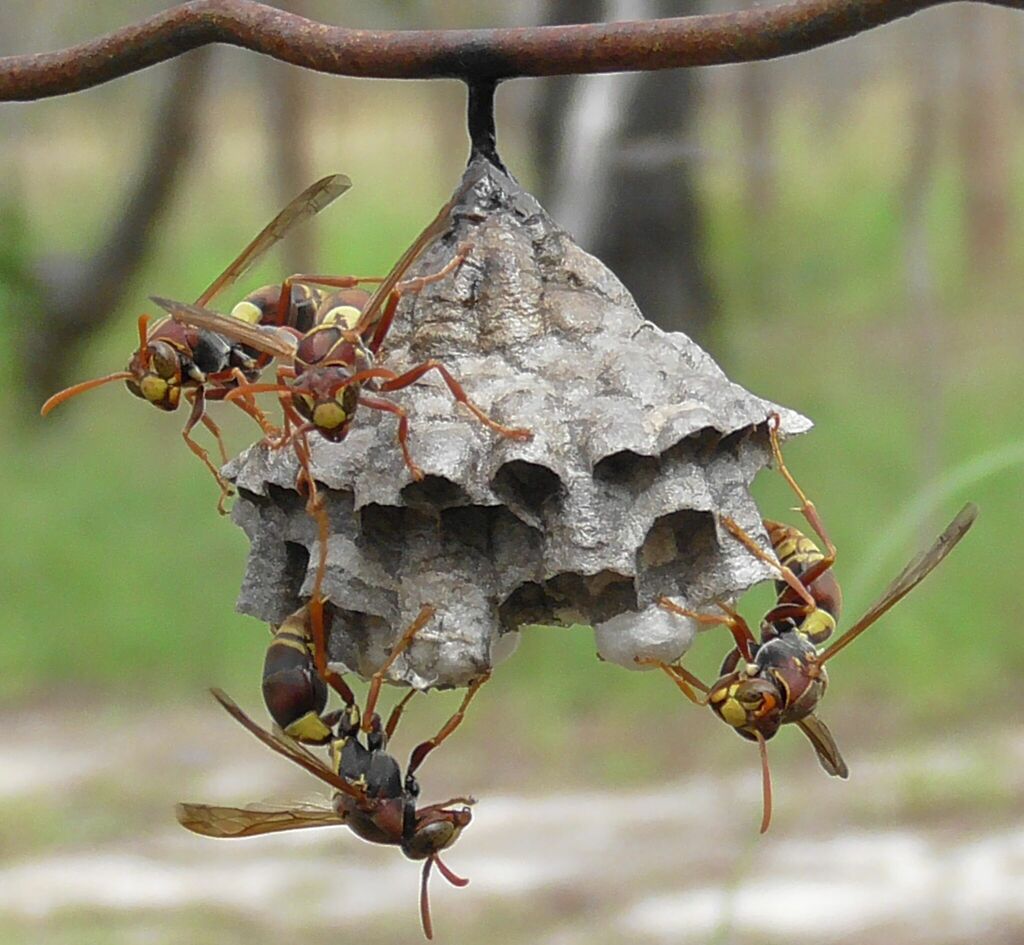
246,311
734,713
329,416
154,388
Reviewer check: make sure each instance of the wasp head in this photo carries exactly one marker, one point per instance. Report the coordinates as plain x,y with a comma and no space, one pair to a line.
327,402
157,372
435,830
749,702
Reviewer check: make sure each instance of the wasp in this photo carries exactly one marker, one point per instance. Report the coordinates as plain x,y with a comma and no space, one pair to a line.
780,678
332,369
173,357
371,795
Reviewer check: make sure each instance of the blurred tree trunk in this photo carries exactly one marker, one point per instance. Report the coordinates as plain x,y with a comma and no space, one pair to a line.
616,170
756,119
288,126
986,118
73,296
927,352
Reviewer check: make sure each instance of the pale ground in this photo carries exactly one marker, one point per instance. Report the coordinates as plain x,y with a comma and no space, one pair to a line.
921,846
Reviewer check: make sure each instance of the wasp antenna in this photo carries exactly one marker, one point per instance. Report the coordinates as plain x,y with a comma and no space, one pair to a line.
77,389
766,783
144,340
428,927
452,878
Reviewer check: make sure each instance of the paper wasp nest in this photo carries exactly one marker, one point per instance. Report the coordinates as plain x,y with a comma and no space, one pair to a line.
639,438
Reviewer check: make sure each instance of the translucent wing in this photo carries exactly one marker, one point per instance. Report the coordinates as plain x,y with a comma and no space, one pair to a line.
912,575
303,759
309,203
825,745
253,820
268,339
372,311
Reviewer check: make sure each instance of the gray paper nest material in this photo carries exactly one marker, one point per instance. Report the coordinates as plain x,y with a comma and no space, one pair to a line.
639,438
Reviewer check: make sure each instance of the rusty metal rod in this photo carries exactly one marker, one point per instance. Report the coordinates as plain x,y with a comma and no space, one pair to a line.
494,54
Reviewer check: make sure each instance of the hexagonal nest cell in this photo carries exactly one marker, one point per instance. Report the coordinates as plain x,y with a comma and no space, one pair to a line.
639,441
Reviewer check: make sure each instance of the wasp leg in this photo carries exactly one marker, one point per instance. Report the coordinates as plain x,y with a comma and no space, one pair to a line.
420,752
248,404
396,714
244,400
197,414
787,575
403,430
383,326
441,805
741,633
400,647
807,507
207,422
457,391
683,678
318,633
315,509
292,418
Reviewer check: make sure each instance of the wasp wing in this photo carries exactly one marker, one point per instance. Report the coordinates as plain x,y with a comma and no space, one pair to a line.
309,203
303,759
264,338
825,746
372,312
252,820
912,575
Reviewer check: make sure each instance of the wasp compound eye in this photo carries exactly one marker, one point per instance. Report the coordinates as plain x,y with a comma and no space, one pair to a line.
164,360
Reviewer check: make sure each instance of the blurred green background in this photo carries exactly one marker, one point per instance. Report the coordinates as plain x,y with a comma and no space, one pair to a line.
864,283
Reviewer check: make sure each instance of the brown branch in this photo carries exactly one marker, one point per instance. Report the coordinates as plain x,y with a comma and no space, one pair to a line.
752,34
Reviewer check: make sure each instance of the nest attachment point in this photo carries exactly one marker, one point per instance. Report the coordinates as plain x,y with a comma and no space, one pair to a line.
639,441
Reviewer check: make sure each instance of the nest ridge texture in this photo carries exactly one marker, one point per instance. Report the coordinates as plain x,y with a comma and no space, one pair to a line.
639,440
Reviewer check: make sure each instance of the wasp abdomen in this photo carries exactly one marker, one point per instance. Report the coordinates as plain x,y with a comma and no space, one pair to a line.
803,557
294,693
